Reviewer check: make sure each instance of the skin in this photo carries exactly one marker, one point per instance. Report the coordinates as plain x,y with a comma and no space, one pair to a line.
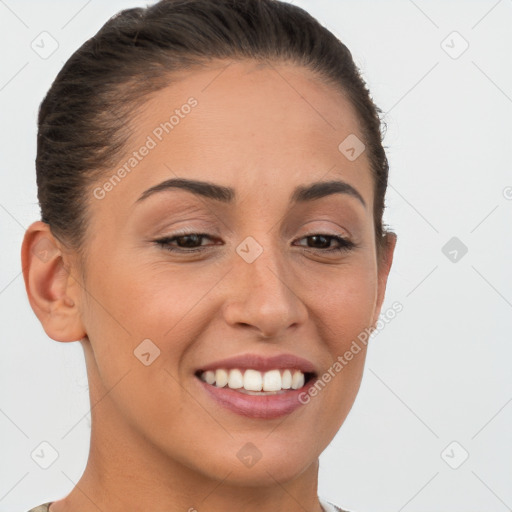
252,131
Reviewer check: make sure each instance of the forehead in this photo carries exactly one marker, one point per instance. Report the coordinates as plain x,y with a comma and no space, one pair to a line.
257,127
254,103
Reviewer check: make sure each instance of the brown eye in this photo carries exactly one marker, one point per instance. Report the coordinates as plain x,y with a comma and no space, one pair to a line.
322,242
186,242
191,242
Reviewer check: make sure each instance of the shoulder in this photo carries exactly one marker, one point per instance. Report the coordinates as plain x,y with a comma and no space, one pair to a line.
330,507
41,508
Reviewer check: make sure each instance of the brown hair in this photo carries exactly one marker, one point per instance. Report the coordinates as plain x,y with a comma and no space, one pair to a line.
82,123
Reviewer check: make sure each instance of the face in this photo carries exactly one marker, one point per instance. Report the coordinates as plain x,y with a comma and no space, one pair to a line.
264,277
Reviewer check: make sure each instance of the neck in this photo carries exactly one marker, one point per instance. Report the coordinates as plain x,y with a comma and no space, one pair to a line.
119,478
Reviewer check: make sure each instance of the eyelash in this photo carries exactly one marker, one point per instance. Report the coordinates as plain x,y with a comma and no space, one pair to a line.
345,244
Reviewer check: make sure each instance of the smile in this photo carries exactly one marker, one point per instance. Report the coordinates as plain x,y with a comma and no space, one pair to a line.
256,403
252,381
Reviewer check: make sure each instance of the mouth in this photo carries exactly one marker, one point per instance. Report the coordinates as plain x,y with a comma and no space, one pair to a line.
250,381
256,385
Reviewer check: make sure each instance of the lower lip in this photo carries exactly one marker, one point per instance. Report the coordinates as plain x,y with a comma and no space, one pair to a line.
254,406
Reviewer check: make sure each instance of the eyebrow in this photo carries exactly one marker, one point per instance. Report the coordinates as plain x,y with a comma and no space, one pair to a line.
301,193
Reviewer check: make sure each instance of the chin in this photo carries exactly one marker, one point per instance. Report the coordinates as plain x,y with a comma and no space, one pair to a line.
261,462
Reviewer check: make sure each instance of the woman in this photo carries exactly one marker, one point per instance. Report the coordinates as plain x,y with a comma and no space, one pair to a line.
211,180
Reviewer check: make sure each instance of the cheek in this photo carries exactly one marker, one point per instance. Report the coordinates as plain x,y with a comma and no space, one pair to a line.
131,302
342,309
136,320
145,298
342,302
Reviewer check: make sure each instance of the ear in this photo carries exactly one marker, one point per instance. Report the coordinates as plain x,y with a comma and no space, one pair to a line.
52,290
384,266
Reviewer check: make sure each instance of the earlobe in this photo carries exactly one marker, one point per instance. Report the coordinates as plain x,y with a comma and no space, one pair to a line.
51,288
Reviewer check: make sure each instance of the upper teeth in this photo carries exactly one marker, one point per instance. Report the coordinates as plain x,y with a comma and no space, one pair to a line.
254,380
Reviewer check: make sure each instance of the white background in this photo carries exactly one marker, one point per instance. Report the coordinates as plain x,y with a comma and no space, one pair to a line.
439,372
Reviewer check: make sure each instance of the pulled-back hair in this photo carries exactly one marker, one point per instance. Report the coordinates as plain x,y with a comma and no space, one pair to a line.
83,120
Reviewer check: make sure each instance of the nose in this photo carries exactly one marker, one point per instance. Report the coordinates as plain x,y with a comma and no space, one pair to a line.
261,295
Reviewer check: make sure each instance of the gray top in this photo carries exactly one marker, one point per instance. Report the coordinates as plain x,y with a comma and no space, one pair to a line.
326,505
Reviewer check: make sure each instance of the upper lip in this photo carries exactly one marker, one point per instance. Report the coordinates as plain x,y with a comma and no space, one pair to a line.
262,363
